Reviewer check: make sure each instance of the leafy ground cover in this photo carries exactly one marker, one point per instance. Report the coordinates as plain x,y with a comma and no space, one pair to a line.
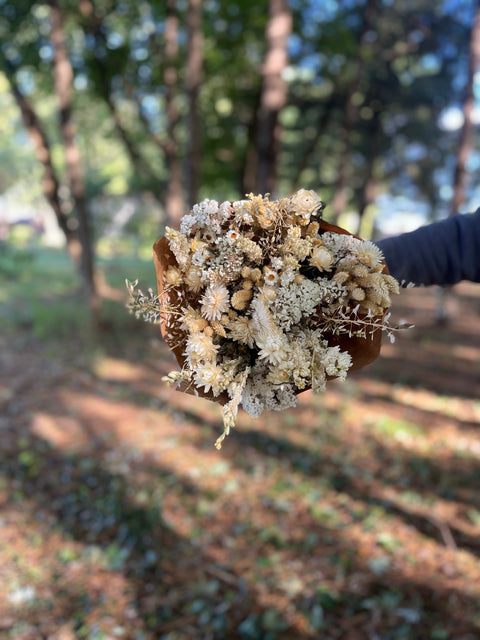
355,516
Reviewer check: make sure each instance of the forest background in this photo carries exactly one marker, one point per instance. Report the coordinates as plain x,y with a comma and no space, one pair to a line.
119,116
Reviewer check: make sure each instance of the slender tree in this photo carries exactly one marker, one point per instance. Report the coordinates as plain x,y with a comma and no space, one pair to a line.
467,133
369,190
63,84
250,163
340,197
261,162
174,192
194,67
50,180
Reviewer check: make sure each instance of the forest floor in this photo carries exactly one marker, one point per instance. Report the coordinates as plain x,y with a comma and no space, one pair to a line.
354,516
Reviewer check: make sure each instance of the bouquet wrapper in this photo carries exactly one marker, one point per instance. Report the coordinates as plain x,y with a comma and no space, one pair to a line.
363,350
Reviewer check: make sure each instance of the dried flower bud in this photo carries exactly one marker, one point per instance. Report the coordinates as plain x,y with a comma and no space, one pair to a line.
241,298
173,276
358,294
312,229
218,328
255,274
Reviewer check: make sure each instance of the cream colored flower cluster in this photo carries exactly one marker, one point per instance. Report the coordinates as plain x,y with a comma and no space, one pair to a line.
258,285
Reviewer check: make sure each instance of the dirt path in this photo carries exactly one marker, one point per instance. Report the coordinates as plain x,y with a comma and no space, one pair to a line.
355,516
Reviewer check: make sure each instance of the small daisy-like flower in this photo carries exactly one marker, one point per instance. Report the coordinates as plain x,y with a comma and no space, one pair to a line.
215,301
233,235
208,236
270,277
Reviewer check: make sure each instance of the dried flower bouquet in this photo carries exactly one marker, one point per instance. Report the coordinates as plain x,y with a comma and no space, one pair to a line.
261,299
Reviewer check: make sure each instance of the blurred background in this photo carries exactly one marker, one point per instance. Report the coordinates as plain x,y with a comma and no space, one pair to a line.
355,516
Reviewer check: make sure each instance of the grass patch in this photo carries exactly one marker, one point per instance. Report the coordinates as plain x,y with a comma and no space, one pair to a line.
40,291
398,429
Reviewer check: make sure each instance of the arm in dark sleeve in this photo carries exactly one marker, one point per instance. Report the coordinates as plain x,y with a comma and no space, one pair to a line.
440,253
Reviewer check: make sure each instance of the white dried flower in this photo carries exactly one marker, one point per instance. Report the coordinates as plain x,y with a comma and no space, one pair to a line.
215,301
200,347
209,376
321,258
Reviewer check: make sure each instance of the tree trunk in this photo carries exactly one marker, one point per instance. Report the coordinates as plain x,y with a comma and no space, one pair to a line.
340,197
250,162
193,82
50,182
305,161
370,186
465,147
63,83
467,133
263,158
174,195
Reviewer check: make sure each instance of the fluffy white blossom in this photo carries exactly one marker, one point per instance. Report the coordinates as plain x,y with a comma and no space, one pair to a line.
215,301
200,348
209,376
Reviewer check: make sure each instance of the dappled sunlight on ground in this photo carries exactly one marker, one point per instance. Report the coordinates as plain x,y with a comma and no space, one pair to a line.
354,516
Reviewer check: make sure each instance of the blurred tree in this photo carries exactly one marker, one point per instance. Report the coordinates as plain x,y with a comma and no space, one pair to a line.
352,107
174,196
262,161
467,134
63,85
16,158
343,97
103,73
194,66
42,148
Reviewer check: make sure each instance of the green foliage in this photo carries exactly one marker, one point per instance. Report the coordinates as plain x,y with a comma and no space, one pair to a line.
409,69
40,291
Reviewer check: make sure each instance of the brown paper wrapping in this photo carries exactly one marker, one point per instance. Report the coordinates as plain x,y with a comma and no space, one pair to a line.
362,350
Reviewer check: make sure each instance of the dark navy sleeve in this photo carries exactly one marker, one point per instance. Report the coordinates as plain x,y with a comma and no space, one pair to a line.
441,253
